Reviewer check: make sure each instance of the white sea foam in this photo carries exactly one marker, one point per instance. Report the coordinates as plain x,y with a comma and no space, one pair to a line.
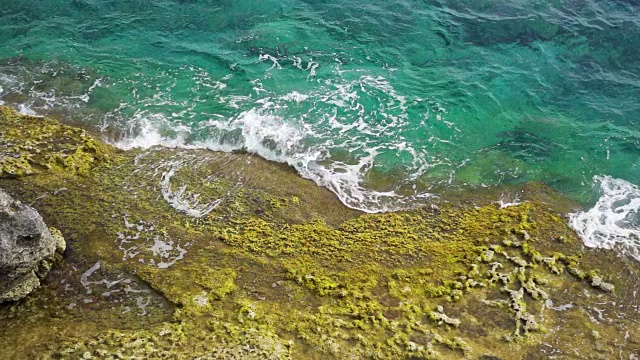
507,201
330,134
180,199
26,110
144,243
275,62
8,80
274,139
614,222
352,126
39,101
292,96
146,130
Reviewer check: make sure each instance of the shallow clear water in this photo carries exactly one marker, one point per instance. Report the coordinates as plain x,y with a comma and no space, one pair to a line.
381,101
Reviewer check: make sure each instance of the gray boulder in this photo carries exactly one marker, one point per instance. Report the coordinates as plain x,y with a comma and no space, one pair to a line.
27,248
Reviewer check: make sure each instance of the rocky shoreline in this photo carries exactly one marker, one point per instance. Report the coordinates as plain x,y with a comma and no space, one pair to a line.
195,254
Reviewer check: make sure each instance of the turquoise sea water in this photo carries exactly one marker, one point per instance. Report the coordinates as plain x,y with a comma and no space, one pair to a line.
381,101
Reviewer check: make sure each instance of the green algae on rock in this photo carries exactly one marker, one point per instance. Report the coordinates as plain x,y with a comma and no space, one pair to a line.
198,254
33,144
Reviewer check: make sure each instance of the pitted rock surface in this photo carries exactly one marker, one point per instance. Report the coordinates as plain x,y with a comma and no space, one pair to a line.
27,248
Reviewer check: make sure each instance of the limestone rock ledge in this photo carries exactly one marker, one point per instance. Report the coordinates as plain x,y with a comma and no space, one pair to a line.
27,248
185,254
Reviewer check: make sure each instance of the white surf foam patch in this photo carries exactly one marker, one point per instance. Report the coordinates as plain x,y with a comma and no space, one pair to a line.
26,110
508,203
8,82
41,101
614,222
149,130
179,199
333,139
295,96
272,138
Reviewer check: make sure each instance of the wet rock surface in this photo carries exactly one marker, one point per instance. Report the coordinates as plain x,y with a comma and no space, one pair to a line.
187,254
27,248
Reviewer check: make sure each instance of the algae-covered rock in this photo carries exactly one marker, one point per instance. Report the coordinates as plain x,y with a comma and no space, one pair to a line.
187,254
27,248
31,145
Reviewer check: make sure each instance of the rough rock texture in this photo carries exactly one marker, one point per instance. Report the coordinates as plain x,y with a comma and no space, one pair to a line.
185,254
27,248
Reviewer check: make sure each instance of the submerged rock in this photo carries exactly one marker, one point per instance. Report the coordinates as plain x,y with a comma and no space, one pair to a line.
27,248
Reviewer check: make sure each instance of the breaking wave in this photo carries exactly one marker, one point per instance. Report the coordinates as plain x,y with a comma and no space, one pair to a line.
332,133
274,139
614,221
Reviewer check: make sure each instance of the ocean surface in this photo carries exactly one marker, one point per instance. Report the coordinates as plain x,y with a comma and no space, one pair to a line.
385,102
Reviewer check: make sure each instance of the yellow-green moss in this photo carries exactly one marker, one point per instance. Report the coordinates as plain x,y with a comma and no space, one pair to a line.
34,144
280,269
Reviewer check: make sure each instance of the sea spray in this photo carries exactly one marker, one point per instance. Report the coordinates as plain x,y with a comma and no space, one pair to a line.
615,219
